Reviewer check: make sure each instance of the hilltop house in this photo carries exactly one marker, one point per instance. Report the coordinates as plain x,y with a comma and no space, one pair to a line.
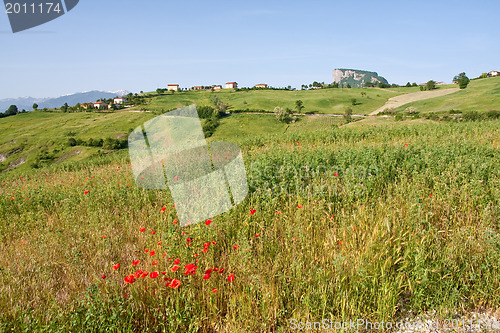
217,87
119,100
261,85
173,87
197,88
231,85
100,105
493,73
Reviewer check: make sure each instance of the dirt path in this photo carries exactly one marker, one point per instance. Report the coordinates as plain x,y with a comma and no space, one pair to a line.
397,101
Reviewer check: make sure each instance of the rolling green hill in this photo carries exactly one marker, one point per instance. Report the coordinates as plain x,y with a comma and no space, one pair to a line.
326,101
480,95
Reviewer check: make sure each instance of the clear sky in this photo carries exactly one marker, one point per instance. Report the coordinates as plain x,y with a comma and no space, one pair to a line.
146,44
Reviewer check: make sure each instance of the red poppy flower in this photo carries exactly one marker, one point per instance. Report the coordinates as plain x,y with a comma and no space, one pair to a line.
154,263
215,269
213,242
138,273
340,242
177,261
207,222
189,240
104,276
230,278
163,273
135,262
206,277
175,284
175,221
335,174
206,245
208,271
142,229
257,235
163,209
299,206
129,279
116,266
86,192
190,269
152,253
236,247
252,211
144,275
153,232
175,268
222,270
214,290
195,255
406,144
154,275
159,243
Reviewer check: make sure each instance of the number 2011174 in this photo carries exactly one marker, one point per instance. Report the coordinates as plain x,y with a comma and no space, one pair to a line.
24,8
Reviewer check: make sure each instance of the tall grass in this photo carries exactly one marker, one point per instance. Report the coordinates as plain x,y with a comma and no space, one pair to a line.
371,222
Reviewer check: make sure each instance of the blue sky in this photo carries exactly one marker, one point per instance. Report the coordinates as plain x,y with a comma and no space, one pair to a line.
143,45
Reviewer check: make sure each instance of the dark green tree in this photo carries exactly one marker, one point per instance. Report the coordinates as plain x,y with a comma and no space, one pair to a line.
431,84
462,80
348,115
299,105
35,106
12,110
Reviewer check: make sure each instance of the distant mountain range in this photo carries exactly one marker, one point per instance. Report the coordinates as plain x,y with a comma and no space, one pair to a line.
83,97
355,77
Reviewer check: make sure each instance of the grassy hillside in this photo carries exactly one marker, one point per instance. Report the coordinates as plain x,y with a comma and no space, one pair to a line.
480,95
333,101
25,135
378,222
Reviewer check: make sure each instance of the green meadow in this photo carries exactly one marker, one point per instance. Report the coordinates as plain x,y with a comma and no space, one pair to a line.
480,95
376,219
327,101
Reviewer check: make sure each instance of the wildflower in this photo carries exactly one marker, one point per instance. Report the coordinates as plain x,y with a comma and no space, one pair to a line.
190,269
207,222
152,253
252,211
177,261
146,250
213,242
222,270
214,290
236,247
135,262
299,206
206,277
175,221
86,192
175,284
154,263
129,279
153,232
175,268
257,235
103,276
163,209
154,275
116,266
159,243
142,229
406,144
138,273
335,174
230,278
144,275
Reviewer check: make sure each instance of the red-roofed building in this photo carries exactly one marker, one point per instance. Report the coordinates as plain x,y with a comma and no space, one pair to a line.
231,85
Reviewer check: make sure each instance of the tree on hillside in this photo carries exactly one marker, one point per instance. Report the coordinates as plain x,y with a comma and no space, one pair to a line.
431,84
35,106
348,115
462,80
284,115
299,106
408,84
64,108
12,110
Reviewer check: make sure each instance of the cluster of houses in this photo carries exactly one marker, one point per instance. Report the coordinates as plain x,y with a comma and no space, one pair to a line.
493,73
215,87
100,105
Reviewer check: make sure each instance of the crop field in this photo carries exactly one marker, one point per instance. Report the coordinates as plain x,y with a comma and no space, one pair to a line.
377,219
